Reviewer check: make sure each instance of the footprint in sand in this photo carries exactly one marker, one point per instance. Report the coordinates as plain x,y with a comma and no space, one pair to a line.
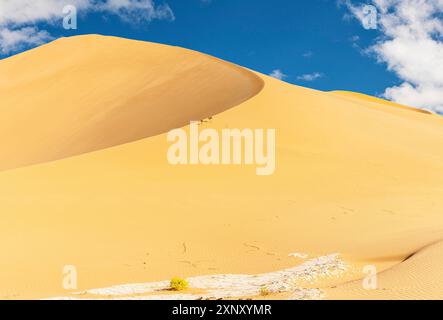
254,247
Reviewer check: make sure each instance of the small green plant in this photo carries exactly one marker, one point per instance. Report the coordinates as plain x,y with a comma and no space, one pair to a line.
264,292
179,284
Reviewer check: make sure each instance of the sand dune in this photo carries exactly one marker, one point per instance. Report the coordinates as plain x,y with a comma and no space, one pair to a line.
354,176
87,93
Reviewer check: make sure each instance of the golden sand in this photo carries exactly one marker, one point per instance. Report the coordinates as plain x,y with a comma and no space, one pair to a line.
87,93
354,175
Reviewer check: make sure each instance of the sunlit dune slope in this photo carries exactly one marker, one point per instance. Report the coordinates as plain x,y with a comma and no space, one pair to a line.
86,93
361,180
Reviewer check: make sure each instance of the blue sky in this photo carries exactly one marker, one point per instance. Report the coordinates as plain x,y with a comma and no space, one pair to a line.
297,37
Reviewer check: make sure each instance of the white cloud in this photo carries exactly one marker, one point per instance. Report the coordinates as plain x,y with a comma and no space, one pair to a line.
19,18
12,40
411,46
310,76
278,74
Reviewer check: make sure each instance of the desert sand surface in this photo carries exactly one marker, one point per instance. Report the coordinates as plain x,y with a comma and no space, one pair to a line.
89,93
85,180
419,277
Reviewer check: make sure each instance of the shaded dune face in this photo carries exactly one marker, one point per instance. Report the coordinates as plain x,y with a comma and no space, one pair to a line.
82,94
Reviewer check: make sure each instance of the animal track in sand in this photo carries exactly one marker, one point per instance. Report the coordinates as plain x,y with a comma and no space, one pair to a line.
246,244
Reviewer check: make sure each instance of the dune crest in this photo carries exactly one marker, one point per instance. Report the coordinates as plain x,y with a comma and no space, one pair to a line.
418,277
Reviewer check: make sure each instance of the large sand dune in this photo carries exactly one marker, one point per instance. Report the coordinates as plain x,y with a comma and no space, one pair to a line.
87,93
354,175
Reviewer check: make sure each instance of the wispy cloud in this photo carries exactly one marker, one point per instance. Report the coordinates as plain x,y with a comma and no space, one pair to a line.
411,46
308,54
310,76
12,40
19,19
278,74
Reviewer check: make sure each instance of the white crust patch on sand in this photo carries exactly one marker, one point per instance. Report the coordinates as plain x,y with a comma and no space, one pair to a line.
232,286
299,255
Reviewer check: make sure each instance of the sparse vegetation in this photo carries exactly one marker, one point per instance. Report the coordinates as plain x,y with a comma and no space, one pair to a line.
179,284
264,292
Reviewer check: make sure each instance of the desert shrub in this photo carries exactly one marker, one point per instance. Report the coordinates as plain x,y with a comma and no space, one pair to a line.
179,284
264,292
